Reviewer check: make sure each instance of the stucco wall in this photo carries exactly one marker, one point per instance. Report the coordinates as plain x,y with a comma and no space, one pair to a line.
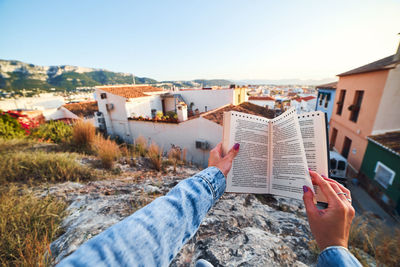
331,102
388,116
372,83
116,119
142,106
211,99
183,135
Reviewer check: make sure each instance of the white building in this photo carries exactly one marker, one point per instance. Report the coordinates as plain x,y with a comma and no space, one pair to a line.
197,135
132,111
118,103
263,101
304,104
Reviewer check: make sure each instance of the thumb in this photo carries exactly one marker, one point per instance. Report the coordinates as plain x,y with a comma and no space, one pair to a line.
233,152
308,198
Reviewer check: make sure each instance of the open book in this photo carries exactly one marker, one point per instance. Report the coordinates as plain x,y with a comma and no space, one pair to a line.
275,154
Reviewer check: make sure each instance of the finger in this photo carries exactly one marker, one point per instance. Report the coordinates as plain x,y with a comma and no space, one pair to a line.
308,198
326,188
233,152
339,192
343,188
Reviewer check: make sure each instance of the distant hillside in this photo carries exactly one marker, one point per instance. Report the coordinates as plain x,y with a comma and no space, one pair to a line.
17,75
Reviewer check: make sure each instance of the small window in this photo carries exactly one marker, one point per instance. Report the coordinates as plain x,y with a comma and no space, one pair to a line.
340,102
383,174
153,113
355,108
341,165
103,95
346,147
333,163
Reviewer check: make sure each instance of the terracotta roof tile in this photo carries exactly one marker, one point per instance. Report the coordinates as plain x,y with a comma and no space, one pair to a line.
246,107
261,98
132,91
390,140
83,109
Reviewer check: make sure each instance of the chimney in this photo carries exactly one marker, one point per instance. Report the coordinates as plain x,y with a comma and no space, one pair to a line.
181,111
397,55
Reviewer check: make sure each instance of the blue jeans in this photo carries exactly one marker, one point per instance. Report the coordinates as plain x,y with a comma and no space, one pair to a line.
153,235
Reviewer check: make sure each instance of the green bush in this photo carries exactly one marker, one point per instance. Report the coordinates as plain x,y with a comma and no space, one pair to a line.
28,224
10,127
41,167
55,131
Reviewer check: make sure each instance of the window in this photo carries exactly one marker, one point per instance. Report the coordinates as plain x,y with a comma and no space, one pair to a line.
346,147
355,108
333,138
340,102
384,175
153,113
103,95
321,98
327,98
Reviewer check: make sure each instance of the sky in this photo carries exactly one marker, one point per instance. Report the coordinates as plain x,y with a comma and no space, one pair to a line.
210,39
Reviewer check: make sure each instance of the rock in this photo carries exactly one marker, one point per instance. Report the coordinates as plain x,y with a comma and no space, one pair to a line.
241,230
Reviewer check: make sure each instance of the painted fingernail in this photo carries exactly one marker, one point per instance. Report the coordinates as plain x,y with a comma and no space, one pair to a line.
309,169
323,176
305,189
236,146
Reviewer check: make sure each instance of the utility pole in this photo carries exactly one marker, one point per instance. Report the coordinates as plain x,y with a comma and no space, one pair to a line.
133,79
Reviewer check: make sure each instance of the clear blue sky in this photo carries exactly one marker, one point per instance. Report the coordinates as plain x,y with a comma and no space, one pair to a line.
165,40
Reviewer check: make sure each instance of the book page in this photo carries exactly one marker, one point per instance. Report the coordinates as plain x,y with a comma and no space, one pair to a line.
313,131
289,164
249,169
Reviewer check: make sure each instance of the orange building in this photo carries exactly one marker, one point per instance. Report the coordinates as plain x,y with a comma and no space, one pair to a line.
367,102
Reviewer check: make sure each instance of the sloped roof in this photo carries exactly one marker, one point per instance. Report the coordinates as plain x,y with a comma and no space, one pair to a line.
332,85
389,140
261,98
246,107
130,91
382,64
83,109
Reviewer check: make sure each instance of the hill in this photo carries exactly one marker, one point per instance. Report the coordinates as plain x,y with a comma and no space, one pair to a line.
16,76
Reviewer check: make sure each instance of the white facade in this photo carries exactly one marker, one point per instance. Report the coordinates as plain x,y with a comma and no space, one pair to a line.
183,135
206,100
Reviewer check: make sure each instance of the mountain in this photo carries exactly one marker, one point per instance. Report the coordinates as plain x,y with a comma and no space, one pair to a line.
16,75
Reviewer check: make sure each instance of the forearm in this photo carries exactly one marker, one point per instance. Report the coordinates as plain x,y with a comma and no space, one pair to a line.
337,256
153,235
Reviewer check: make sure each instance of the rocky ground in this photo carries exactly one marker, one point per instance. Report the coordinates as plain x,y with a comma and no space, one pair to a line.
241,230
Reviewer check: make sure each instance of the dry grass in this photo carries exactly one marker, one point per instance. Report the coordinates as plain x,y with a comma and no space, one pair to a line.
83,135
141,146
373,237
155,156
174,155
41,167
12,145
28,225
107,150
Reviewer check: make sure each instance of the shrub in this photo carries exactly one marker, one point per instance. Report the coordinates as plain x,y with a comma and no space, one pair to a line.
10,127
141,146
41,167
107,150
28,225
83,135
155,156
174,155
13,145
54,131
375,238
